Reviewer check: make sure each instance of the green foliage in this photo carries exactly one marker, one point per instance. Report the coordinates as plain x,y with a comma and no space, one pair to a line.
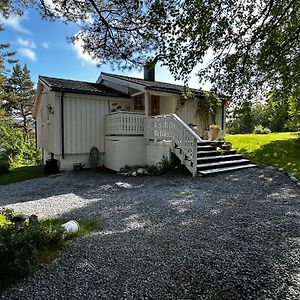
22,251
207,105
215,126
164,165
241,120
259,129
280,113
293,122
4,167
255,45
16,101
19,249
186,96
20,98
5,216
161,168
280,150
277,111
20,150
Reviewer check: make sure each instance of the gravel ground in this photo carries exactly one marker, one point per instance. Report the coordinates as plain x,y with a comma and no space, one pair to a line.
232,236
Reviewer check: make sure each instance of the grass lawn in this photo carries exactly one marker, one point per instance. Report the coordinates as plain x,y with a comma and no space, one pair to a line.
280,150
21,174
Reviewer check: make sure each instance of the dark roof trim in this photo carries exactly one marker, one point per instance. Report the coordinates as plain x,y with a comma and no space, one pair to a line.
80,87
155,85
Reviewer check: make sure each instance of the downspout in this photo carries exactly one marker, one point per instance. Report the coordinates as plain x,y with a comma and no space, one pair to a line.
62,126
223,114
35,134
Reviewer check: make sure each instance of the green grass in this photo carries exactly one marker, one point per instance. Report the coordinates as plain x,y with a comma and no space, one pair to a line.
280,150
21,174
23,252
51,253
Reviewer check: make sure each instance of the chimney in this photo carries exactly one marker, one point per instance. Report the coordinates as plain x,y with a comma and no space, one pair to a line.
149,72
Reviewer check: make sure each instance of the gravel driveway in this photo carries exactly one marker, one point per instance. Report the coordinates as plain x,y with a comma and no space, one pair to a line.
232,236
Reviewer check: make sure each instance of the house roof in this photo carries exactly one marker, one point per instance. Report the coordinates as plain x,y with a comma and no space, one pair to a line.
156,85
80,87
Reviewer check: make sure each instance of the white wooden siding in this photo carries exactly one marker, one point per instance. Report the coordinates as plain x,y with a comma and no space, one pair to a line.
46,121
84,123
167,104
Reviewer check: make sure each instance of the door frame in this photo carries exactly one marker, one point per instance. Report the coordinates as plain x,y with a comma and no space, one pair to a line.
154,105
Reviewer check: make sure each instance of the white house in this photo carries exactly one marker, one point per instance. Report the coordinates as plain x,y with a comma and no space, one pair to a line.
127,121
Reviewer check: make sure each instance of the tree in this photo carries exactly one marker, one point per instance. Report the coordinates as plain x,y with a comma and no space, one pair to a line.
6,56
255,44
21,98
294,113
283,112
242,119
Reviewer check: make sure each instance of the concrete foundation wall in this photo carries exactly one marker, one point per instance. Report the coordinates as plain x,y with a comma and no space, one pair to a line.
124,150
156,151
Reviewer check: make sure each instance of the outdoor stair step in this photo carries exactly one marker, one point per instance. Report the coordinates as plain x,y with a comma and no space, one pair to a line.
204,143
226,163
225,169
218,158
205,147
208,153
227,152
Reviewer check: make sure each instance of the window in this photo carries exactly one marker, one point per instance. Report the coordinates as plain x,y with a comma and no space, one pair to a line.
139,102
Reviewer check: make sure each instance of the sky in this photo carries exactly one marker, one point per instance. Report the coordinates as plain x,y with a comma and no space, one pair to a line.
43,46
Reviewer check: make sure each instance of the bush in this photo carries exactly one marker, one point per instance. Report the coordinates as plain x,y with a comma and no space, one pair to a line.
16,148
20,249
259,129
214,126
24,250
4,167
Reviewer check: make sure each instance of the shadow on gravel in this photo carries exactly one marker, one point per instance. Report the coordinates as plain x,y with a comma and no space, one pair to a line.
234,236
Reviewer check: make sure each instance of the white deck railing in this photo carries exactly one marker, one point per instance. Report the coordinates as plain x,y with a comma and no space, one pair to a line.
172,128
125,123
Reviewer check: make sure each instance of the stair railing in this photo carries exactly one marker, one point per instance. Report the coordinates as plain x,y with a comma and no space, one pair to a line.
172,128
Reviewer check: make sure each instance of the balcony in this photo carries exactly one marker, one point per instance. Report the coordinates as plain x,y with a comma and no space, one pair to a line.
125,123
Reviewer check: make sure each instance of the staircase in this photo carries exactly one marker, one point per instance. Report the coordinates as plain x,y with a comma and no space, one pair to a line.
201,157
211,161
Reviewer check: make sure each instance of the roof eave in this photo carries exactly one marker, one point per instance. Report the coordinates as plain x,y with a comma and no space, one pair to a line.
94,93
125,82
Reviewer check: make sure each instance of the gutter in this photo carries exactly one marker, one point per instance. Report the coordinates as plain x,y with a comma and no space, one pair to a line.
62,125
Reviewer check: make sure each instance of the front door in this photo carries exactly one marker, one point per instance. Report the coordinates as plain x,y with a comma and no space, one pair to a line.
154,105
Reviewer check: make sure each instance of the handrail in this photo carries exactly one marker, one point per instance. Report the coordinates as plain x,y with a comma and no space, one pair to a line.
188,128
125,112
171,127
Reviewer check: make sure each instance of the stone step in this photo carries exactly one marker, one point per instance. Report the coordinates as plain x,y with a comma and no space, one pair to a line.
208,159
219,164
225,169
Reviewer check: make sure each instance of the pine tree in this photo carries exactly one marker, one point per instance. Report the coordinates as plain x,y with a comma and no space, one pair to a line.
6,58
21,98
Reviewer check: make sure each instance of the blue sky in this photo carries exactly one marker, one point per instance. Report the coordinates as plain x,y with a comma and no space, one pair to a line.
43,46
